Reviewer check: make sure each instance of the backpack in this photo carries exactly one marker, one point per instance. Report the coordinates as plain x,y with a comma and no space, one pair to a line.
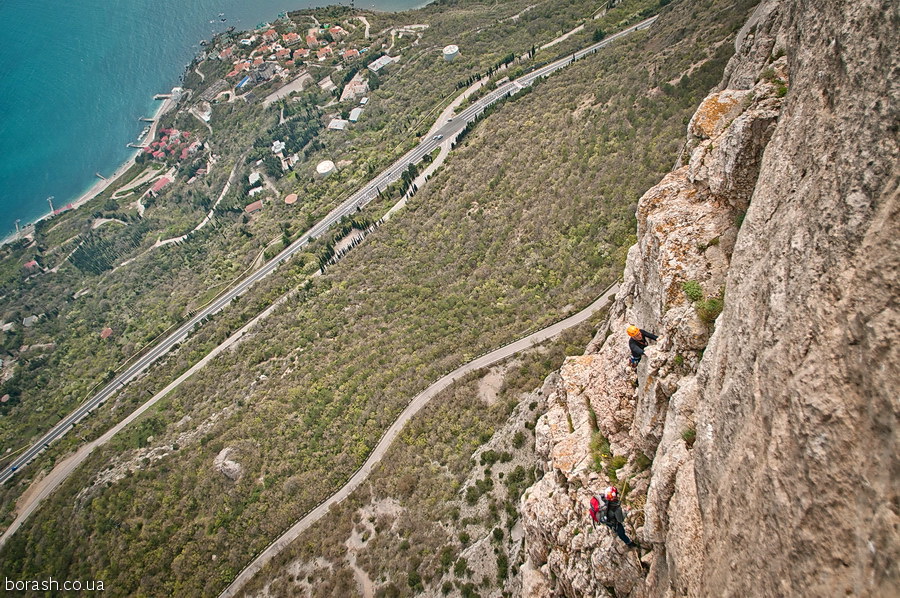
597,511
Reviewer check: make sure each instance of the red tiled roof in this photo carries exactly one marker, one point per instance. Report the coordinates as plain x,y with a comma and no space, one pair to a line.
253,207
160,183
106,333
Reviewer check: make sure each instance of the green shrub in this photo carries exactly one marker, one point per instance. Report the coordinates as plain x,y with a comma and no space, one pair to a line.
615,464
642,461
599,450
710,309
689,436
679,359
461,567
692,289
519,439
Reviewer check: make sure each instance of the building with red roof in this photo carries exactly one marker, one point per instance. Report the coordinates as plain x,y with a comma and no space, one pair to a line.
290,38
106,333
226,53
31,266
301,53
159,184
312,41
282,54
324,53
254,207
350,54
270,36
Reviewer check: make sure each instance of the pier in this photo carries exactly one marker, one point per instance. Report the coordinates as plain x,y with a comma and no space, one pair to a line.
100,176
147,119
162,96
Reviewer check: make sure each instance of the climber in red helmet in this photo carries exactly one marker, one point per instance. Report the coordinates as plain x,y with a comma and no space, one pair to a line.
610,514
638,342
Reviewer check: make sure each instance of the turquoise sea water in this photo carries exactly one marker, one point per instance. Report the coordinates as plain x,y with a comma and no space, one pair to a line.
76,76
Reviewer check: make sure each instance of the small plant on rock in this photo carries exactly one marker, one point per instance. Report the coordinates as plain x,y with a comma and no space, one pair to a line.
692,289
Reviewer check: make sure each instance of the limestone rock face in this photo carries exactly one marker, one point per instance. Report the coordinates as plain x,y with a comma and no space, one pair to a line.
757,451
230,469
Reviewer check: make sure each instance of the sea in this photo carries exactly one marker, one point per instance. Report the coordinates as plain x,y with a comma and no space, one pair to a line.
76,76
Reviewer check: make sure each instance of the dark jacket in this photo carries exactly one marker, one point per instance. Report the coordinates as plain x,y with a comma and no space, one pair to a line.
611,513
637,346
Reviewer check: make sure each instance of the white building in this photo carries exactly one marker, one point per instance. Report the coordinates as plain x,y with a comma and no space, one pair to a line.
338,124
380,63
325,168
253,178
451,52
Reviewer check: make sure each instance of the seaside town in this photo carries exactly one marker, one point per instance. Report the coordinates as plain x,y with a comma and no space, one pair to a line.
267,65
318,75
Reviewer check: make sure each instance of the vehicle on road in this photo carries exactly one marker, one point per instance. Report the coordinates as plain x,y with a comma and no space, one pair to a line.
438,137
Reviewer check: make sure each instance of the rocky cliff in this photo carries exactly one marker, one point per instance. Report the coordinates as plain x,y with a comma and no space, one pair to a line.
756,442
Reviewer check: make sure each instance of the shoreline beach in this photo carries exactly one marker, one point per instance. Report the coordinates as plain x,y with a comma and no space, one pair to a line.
100,186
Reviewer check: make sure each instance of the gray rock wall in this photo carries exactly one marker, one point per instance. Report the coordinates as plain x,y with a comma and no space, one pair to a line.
772,429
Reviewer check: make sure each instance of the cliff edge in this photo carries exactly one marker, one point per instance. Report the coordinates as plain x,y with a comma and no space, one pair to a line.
758,450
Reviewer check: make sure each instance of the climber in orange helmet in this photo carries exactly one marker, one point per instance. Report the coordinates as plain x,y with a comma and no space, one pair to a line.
639,340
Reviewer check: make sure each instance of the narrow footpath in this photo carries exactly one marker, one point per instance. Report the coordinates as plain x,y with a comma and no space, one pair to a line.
415,405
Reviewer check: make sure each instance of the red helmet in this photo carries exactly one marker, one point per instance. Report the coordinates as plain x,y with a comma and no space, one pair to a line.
611,494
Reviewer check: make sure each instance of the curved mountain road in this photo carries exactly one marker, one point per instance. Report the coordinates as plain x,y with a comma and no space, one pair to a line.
415,405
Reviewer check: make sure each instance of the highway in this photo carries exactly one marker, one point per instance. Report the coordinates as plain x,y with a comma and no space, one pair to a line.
347,207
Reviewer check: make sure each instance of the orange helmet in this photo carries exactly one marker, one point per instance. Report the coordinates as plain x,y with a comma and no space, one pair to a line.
634,331
611,494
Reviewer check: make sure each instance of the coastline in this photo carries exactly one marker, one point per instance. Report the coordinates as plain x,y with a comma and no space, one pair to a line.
97,188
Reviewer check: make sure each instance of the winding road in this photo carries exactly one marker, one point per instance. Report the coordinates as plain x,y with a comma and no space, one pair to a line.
415,405
360,198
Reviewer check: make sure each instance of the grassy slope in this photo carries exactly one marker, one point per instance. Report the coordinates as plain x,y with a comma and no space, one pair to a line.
145,298
425,474
383,323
